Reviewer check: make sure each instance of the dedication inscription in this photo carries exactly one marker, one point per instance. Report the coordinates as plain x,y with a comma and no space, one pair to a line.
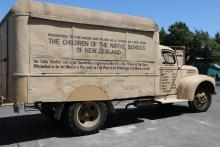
79,50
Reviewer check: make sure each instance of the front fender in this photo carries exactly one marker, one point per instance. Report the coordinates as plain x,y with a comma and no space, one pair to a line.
188,86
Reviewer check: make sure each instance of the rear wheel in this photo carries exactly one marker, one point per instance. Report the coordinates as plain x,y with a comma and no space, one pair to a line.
201,102
85,117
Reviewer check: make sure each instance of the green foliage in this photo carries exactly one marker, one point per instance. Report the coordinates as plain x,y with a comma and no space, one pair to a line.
216,48
217,38
179,34
199,45
163,35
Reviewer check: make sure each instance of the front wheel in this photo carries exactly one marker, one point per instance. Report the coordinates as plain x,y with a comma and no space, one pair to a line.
85,117
201,102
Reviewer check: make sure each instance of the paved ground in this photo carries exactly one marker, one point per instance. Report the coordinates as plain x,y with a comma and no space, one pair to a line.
152,127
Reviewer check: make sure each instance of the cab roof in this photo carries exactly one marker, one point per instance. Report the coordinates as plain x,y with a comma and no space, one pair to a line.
162,47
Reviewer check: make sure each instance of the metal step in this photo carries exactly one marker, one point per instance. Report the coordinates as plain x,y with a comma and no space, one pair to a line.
171,100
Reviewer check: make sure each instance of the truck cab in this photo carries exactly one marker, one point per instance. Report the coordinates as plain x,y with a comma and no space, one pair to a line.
179,82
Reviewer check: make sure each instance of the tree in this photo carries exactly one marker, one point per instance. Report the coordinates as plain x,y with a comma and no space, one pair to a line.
198,44
179,35
216,48
201,47
217,38
163,35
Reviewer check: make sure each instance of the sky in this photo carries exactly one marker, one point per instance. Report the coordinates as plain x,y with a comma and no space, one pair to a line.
197,14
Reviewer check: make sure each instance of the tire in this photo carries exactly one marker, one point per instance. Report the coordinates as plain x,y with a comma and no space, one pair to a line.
201,102
85,117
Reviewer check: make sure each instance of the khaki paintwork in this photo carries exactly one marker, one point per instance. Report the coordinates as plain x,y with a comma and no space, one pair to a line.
82,16
61,54
188,86
92,92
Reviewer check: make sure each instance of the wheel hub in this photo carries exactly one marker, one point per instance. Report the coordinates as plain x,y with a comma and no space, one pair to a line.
88,114
201,99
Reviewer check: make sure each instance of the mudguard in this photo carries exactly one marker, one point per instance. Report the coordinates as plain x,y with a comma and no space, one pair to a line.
189,85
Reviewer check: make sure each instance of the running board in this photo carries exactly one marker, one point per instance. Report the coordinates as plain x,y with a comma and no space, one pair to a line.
171,100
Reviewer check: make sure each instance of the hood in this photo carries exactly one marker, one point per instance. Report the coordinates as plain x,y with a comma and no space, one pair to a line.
187,70
188,67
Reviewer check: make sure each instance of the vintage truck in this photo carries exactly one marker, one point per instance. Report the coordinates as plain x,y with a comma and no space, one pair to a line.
72,63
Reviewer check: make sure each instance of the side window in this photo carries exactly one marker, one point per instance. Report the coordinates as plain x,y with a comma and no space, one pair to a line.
168,58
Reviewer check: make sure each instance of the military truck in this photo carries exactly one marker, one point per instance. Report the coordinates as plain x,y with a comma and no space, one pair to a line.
72,63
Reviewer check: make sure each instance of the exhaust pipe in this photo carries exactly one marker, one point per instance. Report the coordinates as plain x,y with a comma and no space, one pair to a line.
141,103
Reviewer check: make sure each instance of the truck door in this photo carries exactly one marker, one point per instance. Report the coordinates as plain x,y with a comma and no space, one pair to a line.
168,73
3,58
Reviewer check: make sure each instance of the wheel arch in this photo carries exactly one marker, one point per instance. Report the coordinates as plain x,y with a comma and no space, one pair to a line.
207,85
82,94
189,85
88,93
